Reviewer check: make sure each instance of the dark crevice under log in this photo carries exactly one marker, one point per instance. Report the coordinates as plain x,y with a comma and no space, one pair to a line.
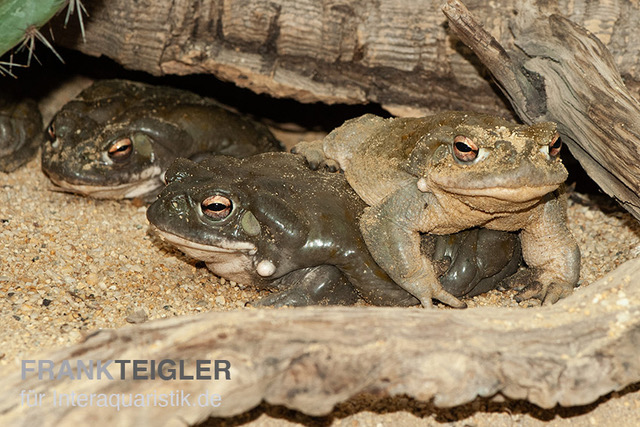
310,359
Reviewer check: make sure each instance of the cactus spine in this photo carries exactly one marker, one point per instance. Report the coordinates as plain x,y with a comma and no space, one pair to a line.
20,21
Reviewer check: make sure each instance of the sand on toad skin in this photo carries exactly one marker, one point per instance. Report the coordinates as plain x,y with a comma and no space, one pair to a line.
70,265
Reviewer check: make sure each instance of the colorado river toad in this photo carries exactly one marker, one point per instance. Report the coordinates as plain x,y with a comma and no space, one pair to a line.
20,132
270,221
450,172
117,137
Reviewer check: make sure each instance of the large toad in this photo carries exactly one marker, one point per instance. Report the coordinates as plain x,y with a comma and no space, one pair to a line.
20,132
450,172
270,221
117,137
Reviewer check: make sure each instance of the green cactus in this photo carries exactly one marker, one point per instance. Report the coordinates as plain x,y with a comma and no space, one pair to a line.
21,19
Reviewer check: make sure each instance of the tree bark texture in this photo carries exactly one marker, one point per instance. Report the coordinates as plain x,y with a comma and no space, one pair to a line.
398,53
562,73
310,359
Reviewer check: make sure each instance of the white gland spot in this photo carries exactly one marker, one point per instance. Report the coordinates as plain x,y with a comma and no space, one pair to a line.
422,185
266,268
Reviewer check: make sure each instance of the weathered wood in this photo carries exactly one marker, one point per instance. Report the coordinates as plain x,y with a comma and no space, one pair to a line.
395,52
310,359
563,73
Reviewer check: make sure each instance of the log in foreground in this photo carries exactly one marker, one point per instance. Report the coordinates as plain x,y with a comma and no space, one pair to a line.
310,359
563,73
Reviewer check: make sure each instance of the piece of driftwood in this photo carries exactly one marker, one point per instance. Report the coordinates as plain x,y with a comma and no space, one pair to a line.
310,359
395,52
563,73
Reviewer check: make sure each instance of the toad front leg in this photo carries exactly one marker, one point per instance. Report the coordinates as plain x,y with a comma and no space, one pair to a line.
548,247
321,285
392,234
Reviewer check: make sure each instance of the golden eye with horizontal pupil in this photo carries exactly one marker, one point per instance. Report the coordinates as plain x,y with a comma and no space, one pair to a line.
51,132
555,146
121,149
216,207
464,149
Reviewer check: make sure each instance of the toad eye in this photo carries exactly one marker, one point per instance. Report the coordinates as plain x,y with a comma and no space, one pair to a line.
555,145
216,207
51,132
464,149
120,150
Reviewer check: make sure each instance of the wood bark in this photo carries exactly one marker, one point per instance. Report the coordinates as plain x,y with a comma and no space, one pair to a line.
310,359
564,74
395,52
400,54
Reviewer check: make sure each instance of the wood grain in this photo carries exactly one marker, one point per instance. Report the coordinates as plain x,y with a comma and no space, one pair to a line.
563,73
398,53
310,359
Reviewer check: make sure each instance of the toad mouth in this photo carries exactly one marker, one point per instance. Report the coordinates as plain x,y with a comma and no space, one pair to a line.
127,190
190,246
516,195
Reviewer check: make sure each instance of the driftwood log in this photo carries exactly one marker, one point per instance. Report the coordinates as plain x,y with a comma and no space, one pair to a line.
558,71
569,353
562,73
397,52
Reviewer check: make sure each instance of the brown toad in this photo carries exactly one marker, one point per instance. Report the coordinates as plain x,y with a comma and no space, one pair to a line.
117,137
450,172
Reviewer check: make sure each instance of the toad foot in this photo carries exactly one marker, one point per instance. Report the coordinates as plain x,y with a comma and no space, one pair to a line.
549,294
437,292
314,154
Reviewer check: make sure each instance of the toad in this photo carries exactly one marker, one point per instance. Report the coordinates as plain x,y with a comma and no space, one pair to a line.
270,221
117,138
450,172
20,132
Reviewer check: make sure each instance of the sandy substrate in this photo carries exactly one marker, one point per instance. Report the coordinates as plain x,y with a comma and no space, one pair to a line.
70,265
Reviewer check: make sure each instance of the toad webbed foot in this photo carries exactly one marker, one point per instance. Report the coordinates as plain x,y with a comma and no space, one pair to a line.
549,294
321,285
427,290
526,282
314,154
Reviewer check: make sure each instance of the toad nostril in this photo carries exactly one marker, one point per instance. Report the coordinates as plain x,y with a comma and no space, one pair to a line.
86,156
178,200
178,204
